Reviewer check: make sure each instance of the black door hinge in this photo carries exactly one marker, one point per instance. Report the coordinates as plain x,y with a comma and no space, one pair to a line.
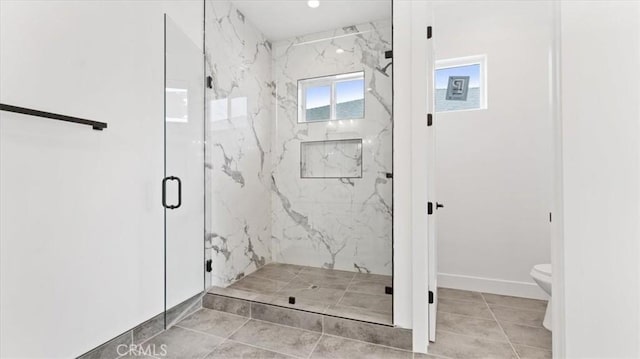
210,82
550,218
429,32
430,297
209,265
388,175
388,54
429,119
388,290
429,208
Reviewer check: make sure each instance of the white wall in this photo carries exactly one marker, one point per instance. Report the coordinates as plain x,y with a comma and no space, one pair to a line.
494,165
81,224
601,170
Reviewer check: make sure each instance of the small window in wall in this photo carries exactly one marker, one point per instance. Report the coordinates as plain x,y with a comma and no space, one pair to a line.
336,97
460,84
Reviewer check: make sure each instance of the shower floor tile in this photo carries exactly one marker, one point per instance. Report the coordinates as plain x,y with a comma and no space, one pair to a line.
345,294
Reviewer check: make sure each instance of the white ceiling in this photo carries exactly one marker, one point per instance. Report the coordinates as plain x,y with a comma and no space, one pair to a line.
282,19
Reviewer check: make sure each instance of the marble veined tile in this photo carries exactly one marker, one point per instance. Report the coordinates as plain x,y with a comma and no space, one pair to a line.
335,223
238,144
331,159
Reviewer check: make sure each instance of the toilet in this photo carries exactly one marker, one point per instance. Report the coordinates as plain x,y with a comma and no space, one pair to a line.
541,273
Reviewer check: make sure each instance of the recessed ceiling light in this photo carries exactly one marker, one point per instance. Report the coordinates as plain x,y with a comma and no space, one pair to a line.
313,3
339,51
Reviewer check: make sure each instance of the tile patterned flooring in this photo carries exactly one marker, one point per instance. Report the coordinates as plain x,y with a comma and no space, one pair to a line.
345,294
470,325
481,325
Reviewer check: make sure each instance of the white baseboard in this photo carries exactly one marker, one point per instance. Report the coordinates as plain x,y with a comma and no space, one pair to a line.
491,285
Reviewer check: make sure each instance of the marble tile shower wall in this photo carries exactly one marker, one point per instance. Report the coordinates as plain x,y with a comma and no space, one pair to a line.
238,175
258,208
340,223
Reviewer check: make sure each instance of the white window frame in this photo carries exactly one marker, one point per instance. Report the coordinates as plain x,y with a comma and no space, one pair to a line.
330,81
480,60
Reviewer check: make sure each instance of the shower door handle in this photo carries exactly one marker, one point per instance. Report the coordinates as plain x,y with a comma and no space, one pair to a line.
164,192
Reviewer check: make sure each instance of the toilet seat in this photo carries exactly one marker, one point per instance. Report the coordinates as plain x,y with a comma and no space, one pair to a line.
541,274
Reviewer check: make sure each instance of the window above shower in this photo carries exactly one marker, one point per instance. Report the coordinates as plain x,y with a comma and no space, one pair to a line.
330,98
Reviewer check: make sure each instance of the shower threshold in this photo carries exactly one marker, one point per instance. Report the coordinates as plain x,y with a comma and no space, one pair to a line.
351,295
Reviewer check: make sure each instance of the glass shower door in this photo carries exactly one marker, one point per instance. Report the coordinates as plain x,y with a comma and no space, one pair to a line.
183,185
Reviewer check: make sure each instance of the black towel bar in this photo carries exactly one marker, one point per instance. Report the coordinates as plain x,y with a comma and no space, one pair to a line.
27,111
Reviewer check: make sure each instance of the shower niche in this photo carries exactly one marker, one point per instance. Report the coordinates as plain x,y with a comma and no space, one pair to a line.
341,159
298,146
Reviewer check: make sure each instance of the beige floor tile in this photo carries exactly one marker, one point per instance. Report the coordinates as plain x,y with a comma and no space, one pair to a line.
293,268
282,274
258,285
526,352
464,347
379,303
519,316
470,326
515,302
367,315
286,340
526,335
324,278
425,356
367,332
235,293
231,349
319,292
383,279
324,272
213,322
457,294
367,286
331,347
183,343
471,309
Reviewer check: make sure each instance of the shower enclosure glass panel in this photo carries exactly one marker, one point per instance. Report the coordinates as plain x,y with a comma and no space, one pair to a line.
183,185
338,226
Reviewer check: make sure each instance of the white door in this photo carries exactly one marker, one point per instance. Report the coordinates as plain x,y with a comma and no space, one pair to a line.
431,193
431,235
